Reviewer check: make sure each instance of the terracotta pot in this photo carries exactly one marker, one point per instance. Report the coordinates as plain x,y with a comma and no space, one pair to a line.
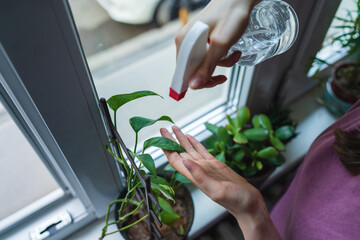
183,192
337,89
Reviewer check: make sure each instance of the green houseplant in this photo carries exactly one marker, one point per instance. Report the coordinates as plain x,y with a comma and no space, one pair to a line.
128,218
343,85
251,149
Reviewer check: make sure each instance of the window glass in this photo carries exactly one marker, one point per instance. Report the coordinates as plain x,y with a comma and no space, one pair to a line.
333,51
129,46
23,177
342,12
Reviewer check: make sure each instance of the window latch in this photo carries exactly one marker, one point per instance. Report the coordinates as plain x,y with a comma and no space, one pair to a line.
51,226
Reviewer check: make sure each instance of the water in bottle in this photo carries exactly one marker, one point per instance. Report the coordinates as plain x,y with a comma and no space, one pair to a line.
272,29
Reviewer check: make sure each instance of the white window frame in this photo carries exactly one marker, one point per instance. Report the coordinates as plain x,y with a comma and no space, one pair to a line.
41,61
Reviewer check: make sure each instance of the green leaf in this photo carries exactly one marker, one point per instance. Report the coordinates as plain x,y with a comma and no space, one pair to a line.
256,134
148,162
231,123
264,122
230,129
164,143
169,168
277,161
211,151
238,156
116,101
221,157
167,215
267,153
210,142
239,165
250,171
223,135
255,121
160,184
284,132
218,146
137,123
242,116
240,138
181,178
212,128
259,165
277,143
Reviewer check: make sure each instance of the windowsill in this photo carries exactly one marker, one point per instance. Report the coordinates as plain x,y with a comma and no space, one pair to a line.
312,119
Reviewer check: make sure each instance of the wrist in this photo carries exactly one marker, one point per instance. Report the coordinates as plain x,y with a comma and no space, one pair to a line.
255,221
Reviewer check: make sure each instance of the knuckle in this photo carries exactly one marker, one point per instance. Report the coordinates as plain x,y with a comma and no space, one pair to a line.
218,41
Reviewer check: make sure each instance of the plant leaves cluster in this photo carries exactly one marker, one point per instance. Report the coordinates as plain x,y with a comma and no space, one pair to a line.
348,37
163,190
249,145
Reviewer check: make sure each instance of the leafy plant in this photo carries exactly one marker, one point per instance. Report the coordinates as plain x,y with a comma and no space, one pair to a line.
249,148
160,187
349,39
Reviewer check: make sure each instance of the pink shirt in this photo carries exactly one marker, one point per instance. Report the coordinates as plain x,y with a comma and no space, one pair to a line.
323,200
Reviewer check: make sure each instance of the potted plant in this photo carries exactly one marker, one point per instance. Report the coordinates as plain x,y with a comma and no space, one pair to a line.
343,85
251,149
171,202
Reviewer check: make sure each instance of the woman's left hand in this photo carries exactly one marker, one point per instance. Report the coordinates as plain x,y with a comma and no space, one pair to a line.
222,185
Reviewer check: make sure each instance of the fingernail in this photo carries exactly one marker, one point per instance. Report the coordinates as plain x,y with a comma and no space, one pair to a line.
188,164
195,82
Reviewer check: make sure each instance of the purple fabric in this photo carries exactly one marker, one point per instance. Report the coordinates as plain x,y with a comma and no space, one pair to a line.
323,200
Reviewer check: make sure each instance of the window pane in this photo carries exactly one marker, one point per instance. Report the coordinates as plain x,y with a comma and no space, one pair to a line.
342,12
23,177
127,51
333,51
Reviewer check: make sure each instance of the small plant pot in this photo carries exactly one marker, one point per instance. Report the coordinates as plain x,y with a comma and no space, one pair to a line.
341,92
338,100
184,207
333,103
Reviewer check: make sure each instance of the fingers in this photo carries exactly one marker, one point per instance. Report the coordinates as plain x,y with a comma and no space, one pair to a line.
174,158
186,144
204,72
230,60
199,147
182,139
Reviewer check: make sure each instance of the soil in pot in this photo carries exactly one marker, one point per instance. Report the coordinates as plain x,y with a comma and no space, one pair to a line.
183,206
346,82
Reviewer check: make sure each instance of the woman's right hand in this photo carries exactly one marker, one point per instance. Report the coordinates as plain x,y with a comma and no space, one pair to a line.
227,21
222,185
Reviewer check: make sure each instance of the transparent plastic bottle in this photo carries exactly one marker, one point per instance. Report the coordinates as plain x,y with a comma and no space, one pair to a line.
273,28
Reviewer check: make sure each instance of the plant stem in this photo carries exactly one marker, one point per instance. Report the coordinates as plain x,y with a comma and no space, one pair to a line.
136,141
103,234
121,218
128,226
115,120
126,197
172,182
130,177
176,188
121,160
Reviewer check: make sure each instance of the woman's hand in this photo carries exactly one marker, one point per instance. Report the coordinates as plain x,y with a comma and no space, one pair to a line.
227,20
222,185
